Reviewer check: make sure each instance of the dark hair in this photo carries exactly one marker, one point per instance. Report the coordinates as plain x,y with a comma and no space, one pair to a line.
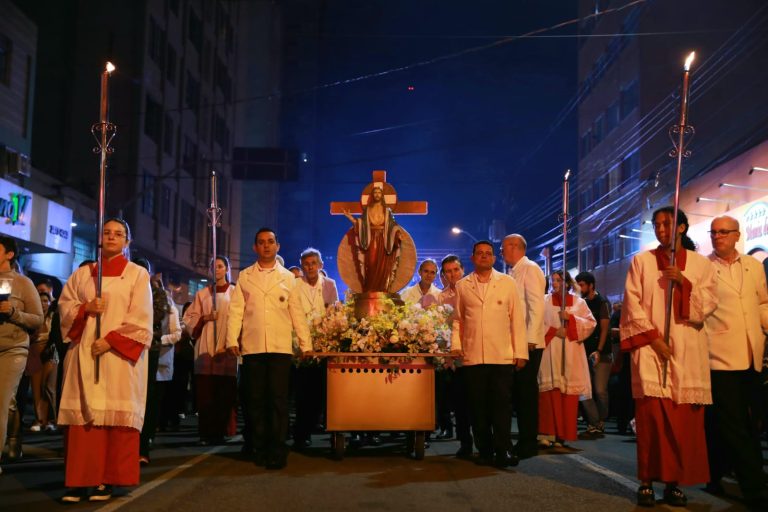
450,259
144,263
481,242
10,246
685,240
47,282
185,307
45,294
568,278
124,224
85,263
264,230
585,277
224,260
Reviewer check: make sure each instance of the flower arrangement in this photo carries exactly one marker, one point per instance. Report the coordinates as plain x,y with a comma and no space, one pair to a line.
405,328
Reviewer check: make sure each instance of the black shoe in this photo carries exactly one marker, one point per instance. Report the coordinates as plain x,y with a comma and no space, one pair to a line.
101,493
465,452
714,488
526,453
74,495
301,444
645,496
278,462
505,459
674,497
484,460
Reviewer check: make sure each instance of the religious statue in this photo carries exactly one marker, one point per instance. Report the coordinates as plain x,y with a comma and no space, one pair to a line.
378,243
377,257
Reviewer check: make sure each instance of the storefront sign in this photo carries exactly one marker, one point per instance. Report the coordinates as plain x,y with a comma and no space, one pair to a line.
15,210
755,227
58,233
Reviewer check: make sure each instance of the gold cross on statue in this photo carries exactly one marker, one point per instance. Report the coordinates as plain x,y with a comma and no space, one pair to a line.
390,197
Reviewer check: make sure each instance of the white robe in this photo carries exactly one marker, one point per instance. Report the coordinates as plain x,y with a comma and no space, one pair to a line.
576,380
205,345
642,319
413,295
312,302
120,395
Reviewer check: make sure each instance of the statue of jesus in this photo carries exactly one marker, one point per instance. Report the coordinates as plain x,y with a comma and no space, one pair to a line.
377,246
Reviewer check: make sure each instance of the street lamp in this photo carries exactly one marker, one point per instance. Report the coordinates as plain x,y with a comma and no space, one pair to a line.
457,231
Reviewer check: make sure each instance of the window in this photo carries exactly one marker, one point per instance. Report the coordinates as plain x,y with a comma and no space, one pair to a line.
186,220
630,167
586,143
221,133
153,120
6,47
223,191
192,92
168,135
189,157
597,130
148,194
166,198
83,249
584,258
613,253
156,43
170,65
612,117
630,98
586,199
614,178
223,80
195,30
630,241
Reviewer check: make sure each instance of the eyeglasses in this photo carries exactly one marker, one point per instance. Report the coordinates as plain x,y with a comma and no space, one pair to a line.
116,234
722,232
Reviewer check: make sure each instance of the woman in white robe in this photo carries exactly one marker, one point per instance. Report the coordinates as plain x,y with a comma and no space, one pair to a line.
559,391
105,417
671,445
215,368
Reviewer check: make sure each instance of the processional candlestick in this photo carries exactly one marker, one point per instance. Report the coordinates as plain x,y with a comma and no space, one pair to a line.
678,133
103,132
563,287
214,221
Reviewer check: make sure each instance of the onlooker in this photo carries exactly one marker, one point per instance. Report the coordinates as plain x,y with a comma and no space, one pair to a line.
600,355
42,368
20,313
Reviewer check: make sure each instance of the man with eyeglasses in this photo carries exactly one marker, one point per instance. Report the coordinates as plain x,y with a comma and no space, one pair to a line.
489,333
736,345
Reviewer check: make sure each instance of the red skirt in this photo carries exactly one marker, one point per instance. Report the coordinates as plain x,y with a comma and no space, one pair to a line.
216,405
558,414
101,455
671,444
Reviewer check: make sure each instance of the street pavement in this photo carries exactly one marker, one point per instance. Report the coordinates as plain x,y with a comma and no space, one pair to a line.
593,476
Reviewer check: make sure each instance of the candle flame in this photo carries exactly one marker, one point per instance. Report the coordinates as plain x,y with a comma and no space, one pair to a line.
567,175
689,61
110,67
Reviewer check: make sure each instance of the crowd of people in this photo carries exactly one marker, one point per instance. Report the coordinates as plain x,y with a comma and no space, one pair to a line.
112,370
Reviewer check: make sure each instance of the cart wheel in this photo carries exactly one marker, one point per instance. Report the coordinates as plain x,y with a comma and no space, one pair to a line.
338,445
418,443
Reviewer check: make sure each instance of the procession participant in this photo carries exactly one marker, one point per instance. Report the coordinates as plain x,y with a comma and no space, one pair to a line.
42,366
600,355
259,310
312,294
736,345
166,331
20,313
489,332
560,391
671,445
451,272
525,388
105,417
424,293
215,369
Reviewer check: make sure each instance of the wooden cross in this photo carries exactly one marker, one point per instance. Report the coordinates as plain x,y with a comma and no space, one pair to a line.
390,196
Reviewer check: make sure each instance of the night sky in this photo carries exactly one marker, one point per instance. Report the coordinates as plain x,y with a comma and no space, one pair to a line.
460,133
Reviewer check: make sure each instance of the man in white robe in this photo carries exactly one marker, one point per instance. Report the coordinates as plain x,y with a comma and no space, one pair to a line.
424,293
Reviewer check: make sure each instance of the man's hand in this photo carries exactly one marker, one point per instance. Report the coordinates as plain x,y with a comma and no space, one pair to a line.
96,306
6,307
564,314
210,317
662,350
520,364
100,346
457,354
594,357
235,351
561,332
307,354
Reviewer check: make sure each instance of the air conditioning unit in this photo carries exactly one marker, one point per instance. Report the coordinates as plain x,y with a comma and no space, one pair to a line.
13,162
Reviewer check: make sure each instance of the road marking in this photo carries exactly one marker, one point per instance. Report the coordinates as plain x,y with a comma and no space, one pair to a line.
144,489
619,479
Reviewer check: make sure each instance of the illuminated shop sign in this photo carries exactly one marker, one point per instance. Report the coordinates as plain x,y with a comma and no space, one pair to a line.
16,206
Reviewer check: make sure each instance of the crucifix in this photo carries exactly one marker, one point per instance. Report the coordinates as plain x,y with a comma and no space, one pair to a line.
376,257
390,197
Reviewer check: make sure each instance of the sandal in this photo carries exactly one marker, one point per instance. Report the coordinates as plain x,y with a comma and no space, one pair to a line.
674,497
646,496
